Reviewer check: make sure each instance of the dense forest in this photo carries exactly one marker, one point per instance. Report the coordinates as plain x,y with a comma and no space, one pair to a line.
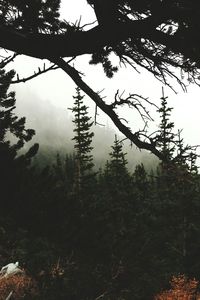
84,234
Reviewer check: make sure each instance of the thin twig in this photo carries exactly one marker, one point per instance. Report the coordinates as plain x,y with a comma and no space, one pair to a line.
9,296
39,72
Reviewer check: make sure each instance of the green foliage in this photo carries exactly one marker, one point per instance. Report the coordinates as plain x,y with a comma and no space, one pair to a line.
116,175
160,40
103,58
177,20
32,16
165,137
83,139
9,123
12,128
117,164
122,233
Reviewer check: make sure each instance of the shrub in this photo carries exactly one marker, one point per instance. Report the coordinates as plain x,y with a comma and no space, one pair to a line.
182,288
21,286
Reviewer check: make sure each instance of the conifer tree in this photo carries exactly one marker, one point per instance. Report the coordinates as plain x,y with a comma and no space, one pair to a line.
167,143
165,138
12,128
63,170
177,193
83,140
118,163
11,125
139,40
141,181
116,175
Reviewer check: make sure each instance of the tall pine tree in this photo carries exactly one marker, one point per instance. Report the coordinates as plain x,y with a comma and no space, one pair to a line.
165,137
177,199
83,140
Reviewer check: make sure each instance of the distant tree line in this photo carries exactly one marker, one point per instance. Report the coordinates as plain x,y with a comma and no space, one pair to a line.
110,234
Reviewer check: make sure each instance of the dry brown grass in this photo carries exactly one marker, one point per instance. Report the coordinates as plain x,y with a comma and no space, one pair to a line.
182,288
21,285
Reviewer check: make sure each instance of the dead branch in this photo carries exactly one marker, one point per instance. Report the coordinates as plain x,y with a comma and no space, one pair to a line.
39,72
109,110
101,296
133,101
7,60
95,117
9,296
88,24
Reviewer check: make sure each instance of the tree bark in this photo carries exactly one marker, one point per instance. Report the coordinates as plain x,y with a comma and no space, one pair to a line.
87,42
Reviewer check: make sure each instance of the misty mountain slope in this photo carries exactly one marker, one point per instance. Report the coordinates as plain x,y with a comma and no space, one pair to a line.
54,132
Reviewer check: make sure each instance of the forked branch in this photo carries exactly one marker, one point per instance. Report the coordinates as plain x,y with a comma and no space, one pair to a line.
108,109
133,101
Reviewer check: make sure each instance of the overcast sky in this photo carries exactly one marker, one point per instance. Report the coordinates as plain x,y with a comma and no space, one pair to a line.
55,89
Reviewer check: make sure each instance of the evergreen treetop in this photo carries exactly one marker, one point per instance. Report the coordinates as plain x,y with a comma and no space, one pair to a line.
13,136
82,138
116,167
117,156
11,125
165,138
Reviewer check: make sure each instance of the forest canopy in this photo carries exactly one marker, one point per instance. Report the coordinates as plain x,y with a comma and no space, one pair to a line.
160,36
80,233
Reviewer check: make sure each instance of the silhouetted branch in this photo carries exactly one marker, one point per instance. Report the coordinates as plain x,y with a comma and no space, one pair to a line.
39,72
7,60
144,41
88,24
95,117
134,137
133,101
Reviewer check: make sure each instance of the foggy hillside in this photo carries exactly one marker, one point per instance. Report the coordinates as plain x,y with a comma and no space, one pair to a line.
54,132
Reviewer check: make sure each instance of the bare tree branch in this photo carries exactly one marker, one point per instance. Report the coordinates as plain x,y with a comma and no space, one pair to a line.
134,137
36,74
7,60
133,101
